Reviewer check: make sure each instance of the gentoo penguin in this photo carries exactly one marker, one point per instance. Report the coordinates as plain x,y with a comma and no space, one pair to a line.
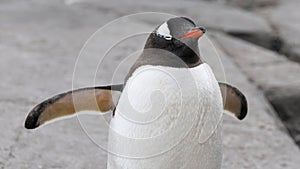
169,114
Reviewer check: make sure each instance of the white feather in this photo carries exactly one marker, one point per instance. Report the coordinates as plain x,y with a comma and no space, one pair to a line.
164,31
167,118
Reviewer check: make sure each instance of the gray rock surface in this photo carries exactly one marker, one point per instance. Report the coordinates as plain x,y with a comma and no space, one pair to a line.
277,76
251,4
263,66
286,102
39,43
285,20
213,15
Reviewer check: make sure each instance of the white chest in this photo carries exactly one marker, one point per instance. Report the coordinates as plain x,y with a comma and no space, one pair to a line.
167,118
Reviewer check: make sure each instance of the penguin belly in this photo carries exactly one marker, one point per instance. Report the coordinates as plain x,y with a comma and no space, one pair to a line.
167,118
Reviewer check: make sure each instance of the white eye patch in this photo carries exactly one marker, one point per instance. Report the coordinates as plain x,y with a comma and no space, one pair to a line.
164,31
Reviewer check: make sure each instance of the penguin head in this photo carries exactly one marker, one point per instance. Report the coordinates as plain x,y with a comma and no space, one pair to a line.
179,36
180,28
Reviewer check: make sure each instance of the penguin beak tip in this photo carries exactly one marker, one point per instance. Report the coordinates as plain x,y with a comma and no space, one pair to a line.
202,29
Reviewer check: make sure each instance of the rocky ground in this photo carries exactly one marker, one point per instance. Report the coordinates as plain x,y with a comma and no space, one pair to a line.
257,42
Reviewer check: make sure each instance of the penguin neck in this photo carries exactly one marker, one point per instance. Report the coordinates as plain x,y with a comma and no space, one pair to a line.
172,53
188,53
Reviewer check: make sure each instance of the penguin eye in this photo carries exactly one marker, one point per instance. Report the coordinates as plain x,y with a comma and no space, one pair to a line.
163,31
166,37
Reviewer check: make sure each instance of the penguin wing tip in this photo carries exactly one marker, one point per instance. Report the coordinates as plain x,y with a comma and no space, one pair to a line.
244,108
30,125
31,121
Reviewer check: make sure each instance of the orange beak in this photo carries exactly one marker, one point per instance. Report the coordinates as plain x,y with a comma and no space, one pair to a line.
195,33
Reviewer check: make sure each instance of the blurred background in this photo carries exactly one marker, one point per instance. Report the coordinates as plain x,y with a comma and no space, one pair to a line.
252,44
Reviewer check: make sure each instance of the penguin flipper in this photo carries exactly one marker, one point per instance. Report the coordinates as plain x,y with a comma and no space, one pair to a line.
68,103
234,100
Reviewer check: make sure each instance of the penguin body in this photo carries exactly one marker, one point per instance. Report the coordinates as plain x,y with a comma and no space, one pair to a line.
169,114
171,135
